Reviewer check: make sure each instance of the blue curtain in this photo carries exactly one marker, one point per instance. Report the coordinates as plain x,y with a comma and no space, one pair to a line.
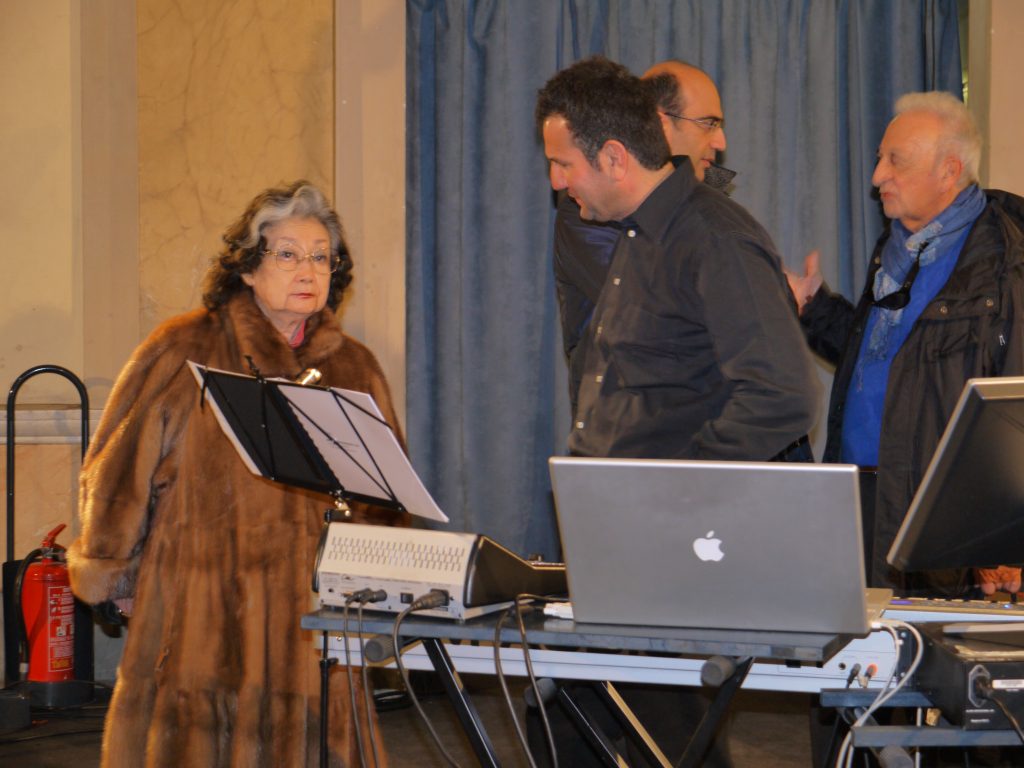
807,87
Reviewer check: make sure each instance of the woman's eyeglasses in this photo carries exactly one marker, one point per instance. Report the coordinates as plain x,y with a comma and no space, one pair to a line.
289,259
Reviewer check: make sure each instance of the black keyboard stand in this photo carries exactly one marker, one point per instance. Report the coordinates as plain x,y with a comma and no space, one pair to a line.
724,673
469,718
326,662
728,675
741,647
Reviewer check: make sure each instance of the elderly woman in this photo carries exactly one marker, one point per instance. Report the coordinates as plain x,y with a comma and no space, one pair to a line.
213,561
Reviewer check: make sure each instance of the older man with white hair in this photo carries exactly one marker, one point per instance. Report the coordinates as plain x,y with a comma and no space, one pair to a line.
944,302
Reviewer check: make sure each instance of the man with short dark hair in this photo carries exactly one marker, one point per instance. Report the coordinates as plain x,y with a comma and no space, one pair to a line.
691,118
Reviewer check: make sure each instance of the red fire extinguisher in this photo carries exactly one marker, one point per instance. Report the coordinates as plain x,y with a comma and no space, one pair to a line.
48,612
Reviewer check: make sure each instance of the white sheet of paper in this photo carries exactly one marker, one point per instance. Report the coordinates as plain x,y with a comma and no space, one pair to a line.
336,431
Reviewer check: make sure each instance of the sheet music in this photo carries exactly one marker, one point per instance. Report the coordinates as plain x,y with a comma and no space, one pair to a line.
349,432
336,433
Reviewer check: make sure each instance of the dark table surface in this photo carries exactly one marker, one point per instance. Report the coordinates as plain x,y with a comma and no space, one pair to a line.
544,630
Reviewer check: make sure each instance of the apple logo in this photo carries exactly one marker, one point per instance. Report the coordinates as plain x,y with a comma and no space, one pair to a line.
708,548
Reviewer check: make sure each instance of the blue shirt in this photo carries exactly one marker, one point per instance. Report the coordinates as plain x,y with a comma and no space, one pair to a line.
865,399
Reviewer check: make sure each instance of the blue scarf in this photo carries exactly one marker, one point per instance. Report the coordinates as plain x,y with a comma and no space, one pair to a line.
928,244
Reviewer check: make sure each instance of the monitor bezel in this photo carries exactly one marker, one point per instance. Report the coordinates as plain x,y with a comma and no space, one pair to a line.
932,514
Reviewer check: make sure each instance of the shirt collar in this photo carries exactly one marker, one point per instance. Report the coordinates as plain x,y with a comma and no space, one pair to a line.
655,213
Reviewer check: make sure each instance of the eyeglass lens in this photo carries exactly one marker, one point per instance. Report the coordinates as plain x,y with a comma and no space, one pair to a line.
289,259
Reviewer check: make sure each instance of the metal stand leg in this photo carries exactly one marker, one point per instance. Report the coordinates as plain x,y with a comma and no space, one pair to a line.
701,739
468,716
325,669
632,726
726,674
604,748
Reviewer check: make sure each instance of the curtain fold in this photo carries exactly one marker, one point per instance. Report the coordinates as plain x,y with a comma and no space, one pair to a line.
807,87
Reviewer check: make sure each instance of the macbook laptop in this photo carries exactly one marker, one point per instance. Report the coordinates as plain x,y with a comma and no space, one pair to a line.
730,545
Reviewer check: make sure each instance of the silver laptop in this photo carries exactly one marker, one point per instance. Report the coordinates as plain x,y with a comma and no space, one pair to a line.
730,545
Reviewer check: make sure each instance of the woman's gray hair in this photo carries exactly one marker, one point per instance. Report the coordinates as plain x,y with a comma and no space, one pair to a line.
305,202
961,137
245,243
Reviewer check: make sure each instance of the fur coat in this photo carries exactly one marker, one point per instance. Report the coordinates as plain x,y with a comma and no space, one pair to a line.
216,670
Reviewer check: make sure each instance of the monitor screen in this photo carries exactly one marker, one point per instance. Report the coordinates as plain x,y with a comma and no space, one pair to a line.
969,508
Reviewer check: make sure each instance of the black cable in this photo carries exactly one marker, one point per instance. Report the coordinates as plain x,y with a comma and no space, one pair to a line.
988,692
50,735
854,671
364,674
52,715
533,678
370,597
24,649
432,599
95,683
351,683
91,710
500,673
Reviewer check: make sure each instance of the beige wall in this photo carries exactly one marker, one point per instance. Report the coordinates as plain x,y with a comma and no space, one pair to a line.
232,98
996,61
109,192
40,293
45,485
369,175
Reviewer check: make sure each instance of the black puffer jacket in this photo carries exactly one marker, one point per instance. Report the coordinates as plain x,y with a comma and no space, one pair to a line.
974,327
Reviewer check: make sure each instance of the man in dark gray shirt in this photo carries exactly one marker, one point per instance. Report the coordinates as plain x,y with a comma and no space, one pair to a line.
694,349
690,109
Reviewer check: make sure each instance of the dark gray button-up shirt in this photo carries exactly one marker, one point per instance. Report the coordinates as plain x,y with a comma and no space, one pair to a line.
694,350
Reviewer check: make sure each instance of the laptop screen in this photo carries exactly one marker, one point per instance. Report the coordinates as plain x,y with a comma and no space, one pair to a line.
732,545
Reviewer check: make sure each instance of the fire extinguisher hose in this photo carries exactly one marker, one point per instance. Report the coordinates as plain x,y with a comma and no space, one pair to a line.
24,648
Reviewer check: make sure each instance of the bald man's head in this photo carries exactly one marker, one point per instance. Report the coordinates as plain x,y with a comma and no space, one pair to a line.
691,111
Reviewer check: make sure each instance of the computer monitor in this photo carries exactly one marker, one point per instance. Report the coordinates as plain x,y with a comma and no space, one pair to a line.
969,507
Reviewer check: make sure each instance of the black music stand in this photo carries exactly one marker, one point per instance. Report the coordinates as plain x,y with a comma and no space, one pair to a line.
324,439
